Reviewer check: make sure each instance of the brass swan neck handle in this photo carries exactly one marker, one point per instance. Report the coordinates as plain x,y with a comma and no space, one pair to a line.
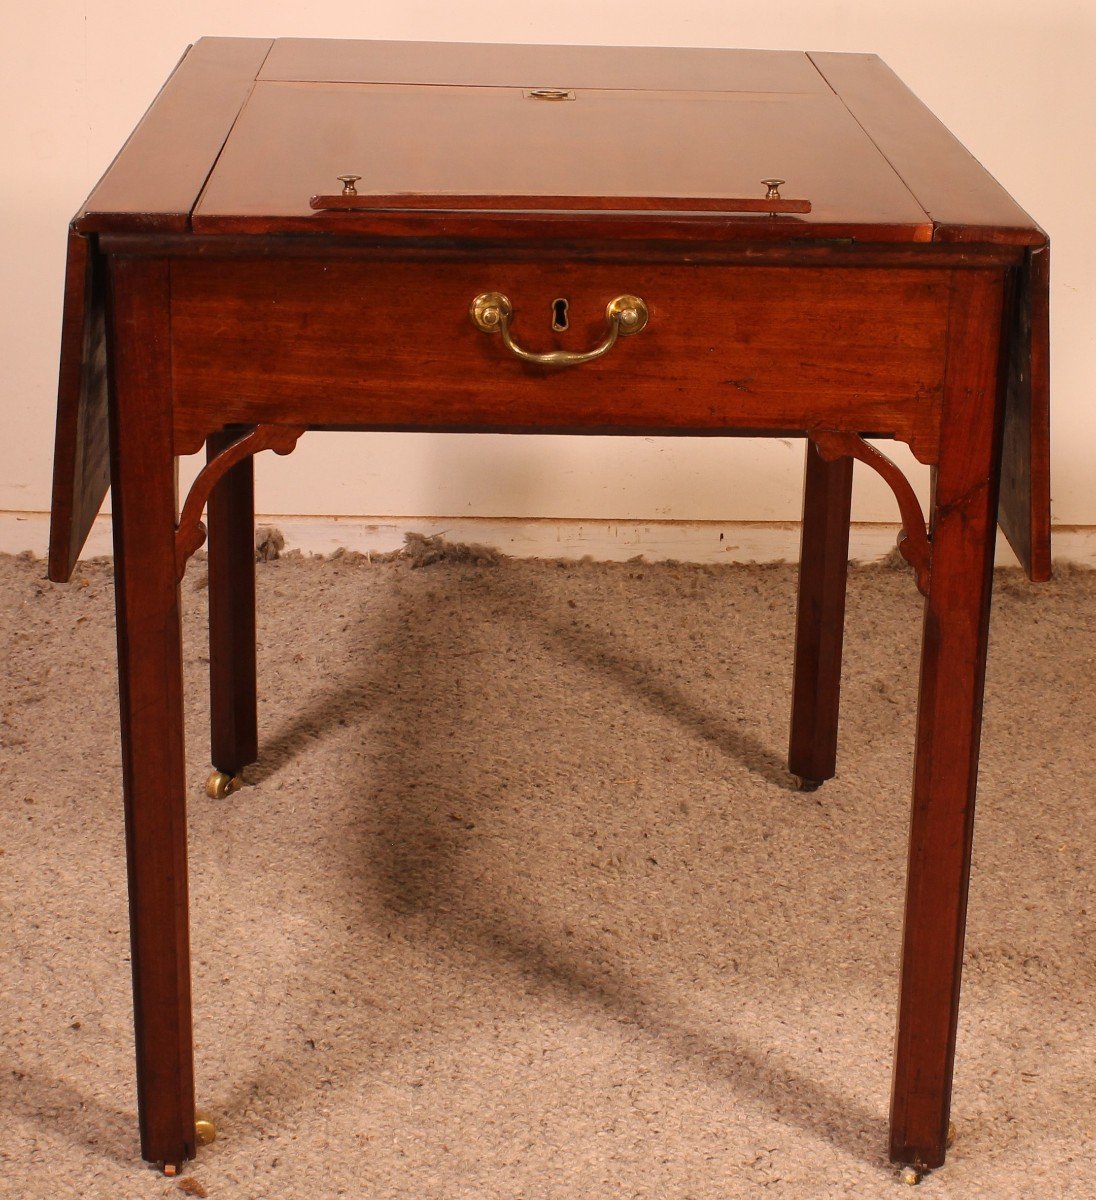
492,313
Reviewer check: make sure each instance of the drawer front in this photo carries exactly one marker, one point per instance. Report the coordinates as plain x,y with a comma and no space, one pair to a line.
382,344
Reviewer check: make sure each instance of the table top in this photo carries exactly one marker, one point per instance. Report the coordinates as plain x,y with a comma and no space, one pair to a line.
484,140
630,148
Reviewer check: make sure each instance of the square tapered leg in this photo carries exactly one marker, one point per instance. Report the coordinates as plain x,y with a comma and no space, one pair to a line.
232,676
820,617
953,663
150,685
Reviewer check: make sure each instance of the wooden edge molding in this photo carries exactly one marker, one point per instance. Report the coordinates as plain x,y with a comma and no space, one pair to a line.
355,201
914,543
190,533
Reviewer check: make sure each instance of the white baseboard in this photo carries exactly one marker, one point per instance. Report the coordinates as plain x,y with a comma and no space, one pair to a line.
605,541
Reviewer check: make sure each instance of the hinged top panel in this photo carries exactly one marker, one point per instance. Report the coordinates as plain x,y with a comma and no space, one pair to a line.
607,152
466,64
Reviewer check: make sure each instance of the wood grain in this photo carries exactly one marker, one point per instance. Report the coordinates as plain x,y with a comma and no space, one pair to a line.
820,617
469,64
150,685
1024,512
366,202
190,532
158,174
913,539
293,141
383,345
953,662
964,201
81,461
222,318
836,252
233,719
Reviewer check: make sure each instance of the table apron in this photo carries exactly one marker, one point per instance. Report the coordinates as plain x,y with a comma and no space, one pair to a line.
360,344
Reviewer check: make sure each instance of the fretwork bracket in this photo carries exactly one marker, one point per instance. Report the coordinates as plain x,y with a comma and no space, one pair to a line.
190,533
914,542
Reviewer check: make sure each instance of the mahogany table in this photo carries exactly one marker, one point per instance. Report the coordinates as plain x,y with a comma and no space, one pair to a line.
395,236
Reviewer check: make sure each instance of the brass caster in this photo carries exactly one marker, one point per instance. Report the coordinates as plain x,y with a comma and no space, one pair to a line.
170,1169
803,784
219,785
951,1135
204,1129
911,1175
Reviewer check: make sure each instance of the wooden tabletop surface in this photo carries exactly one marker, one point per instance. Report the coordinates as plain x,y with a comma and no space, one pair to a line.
246,131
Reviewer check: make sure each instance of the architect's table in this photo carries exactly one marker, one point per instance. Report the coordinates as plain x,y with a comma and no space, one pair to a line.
549,240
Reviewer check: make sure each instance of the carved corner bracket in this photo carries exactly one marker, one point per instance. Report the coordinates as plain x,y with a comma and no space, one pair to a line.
914,542
190,533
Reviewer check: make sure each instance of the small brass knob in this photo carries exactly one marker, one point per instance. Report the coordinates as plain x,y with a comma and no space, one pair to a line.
348,182
773,186
629,312
489,310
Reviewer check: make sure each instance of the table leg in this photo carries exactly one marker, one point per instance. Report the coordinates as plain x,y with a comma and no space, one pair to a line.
230,517
820,618
953,661
151,695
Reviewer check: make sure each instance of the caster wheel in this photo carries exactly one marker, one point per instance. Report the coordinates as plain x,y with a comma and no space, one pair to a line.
170,1169
910,1175
219,785
807,785
204,1129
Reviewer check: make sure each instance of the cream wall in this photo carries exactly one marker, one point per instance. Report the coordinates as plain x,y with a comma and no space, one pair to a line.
1015,81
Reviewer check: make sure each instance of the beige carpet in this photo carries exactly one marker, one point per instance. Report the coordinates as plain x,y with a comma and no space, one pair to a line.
520,903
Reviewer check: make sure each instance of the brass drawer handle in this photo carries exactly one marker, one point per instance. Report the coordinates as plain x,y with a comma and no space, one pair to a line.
492,312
